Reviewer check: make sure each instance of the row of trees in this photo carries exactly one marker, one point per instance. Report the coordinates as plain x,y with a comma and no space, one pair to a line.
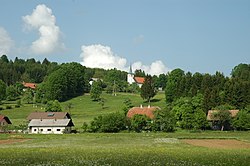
28,70
216,89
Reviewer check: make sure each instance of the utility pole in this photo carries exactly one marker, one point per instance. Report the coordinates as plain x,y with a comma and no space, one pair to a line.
114,89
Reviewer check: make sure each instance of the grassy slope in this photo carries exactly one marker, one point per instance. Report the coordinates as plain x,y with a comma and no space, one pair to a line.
84,109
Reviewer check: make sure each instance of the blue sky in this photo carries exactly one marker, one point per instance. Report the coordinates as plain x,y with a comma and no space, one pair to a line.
155,35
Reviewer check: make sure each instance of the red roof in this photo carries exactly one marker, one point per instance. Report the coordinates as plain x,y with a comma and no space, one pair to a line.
2,117
29,85
211,112
139,80
148,111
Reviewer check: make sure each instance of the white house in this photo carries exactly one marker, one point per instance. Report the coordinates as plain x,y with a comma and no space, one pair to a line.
50,126
132,79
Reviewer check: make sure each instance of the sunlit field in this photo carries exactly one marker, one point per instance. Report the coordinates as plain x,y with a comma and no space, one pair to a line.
122,149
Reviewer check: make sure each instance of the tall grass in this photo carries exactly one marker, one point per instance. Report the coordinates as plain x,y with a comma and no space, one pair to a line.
120,149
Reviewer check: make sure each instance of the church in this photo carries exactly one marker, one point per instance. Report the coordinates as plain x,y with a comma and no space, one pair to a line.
131,78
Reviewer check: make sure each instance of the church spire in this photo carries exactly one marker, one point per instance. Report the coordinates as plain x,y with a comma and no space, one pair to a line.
130,69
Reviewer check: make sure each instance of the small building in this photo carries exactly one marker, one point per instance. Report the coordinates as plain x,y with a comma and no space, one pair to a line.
4,122
214,121
50,126
132,79
29,85
48,115
148,111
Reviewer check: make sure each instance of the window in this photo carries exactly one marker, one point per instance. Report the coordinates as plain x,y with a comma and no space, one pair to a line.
41,129
48,129
58,129
34,129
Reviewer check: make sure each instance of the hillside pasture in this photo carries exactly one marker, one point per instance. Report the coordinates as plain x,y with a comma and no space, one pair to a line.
83,108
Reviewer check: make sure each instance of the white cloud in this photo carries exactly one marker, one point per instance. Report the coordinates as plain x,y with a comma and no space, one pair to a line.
5,42
155,68
44,21
99,56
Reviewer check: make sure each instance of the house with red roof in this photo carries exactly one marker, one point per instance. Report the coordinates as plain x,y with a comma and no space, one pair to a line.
148,111
131,78
29,85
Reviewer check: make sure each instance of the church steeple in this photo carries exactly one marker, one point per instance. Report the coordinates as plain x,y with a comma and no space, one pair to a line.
130,69
130,76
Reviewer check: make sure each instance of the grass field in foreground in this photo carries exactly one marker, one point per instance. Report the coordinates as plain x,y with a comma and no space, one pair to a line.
121,149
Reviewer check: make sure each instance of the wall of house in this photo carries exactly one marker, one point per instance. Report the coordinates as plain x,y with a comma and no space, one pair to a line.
3,122
130,78
49,130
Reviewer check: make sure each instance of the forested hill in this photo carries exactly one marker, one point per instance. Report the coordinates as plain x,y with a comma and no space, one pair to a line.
72,79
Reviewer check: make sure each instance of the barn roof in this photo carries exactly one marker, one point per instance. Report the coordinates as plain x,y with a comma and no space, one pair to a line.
148,111
50,123
48,115
2,117
211,112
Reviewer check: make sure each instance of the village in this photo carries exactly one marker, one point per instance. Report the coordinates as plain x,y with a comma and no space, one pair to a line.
40,122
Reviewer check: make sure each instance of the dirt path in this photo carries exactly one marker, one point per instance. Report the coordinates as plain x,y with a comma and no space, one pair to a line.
218,143
11,141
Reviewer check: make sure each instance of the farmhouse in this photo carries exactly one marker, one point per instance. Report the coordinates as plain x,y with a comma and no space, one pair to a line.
4,122
132,79
148,111
50,122
50,126
214,121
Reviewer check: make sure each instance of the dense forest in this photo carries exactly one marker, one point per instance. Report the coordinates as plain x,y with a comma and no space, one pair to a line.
64,81
216,89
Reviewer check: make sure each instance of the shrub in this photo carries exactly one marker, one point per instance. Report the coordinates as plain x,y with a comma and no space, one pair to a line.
140,123
8,107
242,120
1,108
17,106
95,125
163,121
113,122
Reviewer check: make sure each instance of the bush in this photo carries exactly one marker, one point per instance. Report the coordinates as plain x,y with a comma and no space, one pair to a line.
242,120
17,106
113,122
1,108
163,121
140,123
8,107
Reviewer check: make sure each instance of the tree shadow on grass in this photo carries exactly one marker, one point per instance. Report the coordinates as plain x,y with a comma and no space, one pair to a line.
153,101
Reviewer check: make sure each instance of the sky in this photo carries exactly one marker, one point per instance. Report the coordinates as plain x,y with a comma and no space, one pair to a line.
156,36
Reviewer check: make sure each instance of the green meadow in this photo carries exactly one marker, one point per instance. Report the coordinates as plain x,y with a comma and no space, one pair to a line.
114,148
121,149
83,108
